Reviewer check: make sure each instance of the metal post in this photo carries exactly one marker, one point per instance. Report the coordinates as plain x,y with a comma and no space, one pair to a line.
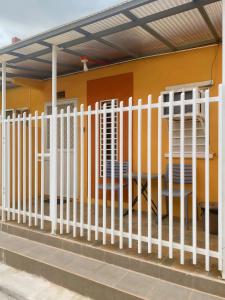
3,140
223,141
53,148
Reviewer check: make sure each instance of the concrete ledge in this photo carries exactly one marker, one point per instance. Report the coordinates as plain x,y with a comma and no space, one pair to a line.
186,279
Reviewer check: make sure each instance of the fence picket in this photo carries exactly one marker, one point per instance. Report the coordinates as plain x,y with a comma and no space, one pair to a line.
194,179
89,173
171,108
139,176
207,183
113,175
182,217
61,170
130,194
220,178
42,169
82,170
104,176
68,172
30,168
121,179
14,167
24,168
8,167
96,168
18,168
75,171
160,177
149,158
35,168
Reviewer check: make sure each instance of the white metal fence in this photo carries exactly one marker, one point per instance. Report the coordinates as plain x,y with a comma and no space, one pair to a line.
145,140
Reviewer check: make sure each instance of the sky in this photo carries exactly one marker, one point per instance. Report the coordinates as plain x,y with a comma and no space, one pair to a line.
24,18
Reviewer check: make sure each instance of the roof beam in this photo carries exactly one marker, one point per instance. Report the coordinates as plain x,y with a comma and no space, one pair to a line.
151,31
207,21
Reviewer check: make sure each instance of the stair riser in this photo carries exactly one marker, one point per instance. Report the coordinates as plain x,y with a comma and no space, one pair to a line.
73,282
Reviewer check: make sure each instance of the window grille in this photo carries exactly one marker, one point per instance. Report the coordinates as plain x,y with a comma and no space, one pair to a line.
108,104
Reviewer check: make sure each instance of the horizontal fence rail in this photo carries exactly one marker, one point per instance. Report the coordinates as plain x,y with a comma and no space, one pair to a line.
132,175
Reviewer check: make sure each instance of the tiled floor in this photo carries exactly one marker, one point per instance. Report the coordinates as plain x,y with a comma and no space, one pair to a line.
175,262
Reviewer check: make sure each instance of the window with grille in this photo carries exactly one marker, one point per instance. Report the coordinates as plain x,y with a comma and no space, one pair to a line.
109,131
200,123
61,105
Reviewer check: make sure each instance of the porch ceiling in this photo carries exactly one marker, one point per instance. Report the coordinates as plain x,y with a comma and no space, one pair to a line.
134,29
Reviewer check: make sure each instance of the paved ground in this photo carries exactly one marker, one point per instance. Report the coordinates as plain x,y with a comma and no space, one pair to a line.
17,285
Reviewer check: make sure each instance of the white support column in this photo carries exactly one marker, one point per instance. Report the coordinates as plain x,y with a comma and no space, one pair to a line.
53,148
3,139
223,142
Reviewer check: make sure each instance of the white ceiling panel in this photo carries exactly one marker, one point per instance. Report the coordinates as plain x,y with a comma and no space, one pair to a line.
214,11
18,72
39,66
30,49
136,39
65,37
63,58
7,57
156,7
183,29
106,23
96,49
35,65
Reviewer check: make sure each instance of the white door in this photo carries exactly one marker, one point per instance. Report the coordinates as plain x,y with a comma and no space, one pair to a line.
62,104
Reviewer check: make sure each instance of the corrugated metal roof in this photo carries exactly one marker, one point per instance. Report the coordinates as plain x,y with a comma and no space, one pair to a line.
184,28
136,39
133,29
97,50
106,23
156,7
64,37
31,49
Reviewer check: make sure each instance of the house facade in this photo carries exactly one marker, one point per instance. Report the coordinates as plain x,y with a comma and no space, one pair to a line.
124,80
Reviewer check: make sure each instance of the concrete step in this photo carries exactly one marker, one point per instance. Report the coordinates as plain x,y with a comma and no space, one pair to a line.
87,276
96,271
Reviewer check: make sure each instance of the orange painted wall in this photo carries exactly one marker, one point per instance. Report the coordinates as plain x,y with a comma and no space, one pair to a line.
150,76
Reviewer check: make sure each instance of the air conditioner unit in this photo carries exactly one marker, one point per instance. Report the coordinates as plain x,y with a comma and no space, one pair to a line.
188,109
